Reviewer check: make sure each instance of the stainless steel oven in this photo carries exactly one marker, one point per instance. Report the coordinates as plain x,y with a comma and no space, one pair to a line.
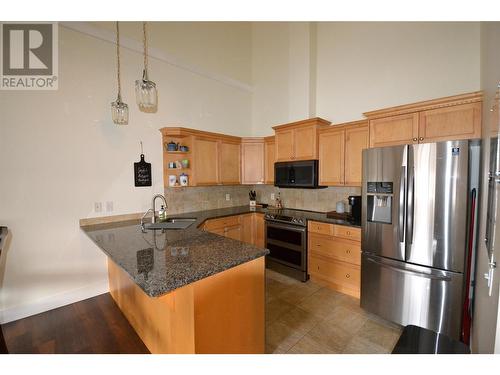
287,243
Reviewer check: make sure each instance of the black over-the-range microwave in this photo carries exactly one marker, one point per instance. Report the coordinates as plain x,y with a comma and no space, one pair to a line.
297,174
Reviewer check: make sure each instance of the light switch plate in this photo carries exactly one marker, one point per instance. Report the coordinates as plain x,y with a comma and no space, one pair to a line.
228,197
272,196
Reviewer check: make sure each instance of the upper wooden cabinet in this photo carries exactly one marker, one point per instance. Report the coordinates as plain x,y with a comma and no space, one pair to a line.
340,152
356,139
457,122
331,156
212,158
450,118
298,140
229,162
205,158
252,161
394,130
269,159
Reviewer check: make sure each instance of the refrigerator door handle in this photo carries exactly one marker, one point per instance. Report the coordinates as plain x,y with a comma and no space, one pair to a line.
410,272
410,209
402,204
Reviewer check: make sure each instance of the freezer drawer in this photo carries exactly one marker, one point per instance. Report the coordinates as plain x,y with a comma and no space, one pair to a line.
409,294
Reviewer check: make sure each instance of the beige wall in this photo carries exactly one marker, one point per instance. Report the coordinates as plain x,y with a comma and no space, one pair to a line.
61,153
222,48
371,65
354,67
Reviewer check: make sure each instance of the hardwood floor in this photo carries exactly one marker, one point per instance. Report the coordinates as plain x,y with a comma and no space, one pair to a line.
95,325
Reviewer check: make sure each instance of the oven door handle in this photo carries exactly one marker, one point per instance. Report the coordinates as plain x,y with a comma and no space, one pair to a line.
277,225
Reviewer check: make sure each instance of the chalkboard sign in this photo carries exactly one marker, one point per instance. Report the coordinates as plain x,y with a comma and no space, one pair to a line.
142,173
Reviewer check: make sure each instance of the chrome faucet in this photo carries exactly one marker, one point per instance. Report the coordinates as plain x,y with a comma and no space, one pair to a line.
152,209
153,219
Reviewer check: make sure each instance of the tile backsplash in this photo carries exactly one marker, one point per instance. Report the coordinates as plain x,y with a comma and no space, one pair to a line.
191,199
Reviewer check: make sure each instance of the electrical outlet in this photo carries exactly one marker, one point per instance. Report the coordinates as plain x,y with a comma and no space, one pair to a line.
272,196
109,206
228,197
98,206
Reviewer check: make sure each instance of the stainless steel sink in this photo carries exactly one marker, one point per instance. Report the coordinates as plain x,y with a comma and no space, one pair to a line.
172,223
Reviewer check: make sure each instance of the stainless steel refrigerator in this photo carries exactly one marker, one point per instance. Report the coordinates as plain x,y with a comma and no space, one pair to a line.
417,232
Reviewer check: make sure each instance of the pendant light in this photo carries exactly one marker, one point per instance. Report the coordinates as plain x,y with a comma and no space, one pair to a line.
145,90
119,110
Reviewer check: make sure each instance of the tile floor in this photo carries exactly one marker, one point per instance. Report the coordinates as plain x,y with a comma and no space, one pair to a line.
306,318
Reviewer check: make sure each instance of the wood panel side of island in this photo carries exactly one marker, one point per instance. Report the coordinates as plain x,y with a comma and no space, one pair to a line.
230,310
165,324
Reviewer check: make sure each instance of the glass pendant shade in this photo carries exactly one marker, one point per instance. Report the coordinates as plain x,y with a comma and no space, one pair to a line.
146,94
119,112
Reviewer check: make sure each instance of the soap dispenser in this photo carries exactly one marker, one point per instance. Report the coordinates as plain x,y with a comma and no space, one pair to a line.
162,213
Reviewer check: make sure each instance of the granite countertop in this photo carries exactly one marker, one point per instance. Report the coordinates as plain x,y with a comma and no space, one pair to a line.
160,262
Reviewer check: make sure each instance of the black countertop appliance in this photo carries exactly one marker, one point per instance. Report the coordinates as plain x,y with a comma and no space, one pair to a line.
355,203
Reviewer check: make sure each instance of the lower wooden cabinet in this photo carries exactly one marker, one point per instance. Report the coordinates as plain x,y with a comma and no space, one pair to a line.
247,228
259,230
334,256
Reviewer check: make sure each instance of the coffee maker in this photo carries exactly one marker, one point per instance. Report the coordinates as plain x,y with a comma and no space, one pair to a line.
355,203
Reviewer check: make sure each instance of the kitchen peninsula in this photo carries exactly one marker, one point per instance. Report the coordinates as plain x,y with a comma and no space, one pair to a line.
185,291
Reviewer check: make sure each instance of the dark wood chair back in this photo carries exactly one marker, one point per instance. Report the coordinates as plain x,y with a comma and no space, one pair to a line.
3,235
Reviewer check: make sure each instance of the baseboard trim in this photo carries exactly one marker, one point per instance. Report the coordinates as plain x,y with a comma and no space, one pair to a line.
53,302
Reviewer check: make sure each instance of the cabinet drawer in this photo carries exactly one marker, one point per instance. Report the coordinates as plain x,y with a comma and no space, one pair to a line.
336,248
351,233
321,228
222,222
335,272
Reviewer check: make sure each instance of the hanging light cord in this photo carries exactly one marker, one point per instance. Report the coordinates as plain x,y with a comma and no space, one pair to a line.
118,61
145,43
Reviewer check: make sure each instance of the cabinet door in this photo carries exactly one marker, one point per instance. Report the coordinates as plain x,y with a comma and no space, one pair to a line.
269,158
284,145
247,228
305,143
450,123
331,157
234,232
394,130
356,139
205,155
259,230
229,171
252,162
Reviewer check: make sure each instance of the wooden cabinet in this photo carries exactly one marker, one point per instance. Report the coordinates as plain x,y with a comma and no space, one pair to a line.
356,140
233,232
284,145
450,118
394,130
269,159
340,153
259,230
298,140
252,161
456,122
213,159
331,157
205,158
247,228
229,163
334,256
